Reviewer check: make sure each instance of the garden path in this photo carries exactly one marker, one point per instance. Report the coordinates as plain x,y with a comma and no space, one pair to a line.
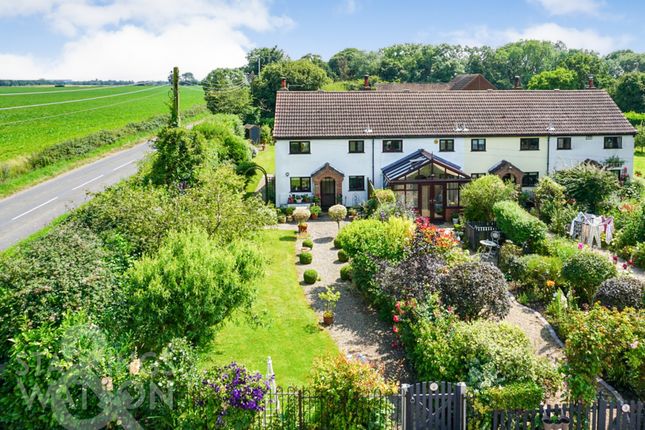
357,329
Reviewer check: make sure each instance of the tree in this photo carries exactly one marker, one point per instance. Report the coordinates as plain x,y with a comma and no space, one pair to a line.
639,139
301,75
559,78
352,63
628,60
188,79
587,184
524,59
258,58
227,91
629,92
585,63
480,195
179,155
318,61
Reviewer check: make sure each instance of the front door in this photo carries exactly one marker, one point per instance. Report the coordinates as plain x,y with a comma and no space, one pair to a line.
327,193
432,202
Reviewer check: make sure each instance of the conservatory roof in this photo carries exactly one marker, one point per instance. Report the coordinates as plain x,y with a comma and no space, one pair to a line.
415,161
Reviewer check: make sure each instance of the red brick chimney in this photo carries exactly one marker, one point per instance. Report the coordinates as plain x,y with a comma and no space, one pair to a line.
590,84
516,84
283,83
366,82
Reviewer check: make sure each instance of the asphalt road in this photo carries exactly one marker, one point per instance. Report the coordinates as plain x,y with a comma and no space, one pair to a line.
30,210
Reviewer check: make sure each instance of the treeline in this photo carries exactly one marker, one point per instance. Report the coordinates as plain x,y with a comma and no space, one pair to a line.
62,82
249,91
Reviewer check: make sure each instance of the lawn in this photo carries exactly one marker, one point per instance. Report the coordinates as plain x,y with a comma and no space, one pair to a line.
282,325
265,159
639,162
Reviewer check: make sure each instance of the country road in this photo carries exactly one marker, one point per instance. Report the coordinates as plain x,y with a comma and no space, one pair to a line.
30,210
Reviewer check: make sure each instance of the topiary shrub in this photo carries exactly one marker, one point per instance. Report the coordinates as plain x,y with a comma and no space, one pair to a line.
301,215
346,272
518,396
337,213
337,244
305,257
622,292
585,271
342,256
518,225
308,243
310,276
475,290
479,196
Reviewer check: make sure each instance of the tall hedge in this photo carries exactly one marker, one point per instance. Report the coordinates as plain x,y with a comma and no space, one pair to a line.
518,225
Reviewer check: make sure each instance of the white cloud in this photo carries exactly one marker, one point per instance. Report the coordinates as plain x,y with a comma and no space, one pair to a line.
572,37
142,39
566,7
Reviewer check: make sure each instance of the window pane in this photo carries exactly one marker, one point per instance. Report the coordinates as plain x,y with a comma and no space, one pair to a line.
613,142
530,179
446,145
478,144
356,146
357,183
564,143
392,145
299,147
530,144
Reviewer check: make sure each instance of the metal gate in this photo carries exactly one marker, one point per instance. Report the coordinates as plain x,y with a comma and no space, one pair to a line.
434,406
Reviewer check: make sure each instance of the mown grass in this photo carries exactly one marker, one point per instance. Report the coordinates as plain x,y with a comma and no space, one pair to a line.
265,159
281,324
639,162
25,131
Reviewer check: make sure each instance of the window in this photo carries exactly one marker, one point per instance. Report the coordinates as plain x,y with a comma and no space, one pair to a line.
530,179
392,146
446,145
477,175
478,144
616,172
357,183
530,144
301,184
356,146
613,142
564,143
299,147
452,191
588,137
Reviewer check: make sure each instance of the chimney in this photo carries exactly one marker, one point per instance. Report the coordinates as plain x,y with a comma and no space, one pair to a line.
516,83
283,83
590,84
366,82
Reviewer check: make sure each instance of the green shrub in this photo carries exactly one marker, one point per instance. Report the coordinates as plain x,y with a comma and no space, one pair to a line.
585,271
638,255
308,243
604,342
549,198
337,243
384,195
632,228
190,285
306,257
622,292
518,225
179,155
561,248
518,396
346,272
561,220
587,184
475,290
68,269
342,256
350,392
479,196
510,261
310,276
541,275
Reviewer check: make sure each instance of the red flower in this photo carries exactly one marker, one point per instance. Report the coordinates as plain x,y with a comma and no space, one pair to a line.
615,257
449,309
630,262
396,318
625,266
395,329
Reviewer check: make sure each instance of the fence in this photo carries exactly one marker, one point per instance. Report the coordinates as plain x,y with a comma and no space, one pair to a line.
431,406
476,231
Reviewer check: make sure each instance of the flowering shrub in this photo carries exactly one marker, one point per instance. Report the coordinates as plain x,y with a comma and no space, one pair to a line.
621,292
475,290
442,242
604,342
301,215
228,397
585,271
541,275
347,387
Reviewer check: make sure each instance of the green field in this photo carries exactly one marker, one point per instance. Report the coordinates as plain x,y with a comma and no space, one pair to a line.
76,111
639,162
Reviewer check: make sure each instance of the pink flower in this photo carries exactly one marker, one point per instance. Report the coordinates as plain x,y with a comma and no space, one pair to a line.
580,245
396,318
630,262
395,329
634,344
615,258
625,266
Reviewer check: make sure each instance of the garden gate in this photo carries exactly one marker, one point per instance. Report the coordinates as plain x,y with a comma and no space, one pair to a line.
434,405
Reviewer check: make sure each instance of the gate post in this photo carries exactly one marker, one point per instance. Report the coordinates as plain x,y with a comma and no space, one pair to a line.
404,408
460,410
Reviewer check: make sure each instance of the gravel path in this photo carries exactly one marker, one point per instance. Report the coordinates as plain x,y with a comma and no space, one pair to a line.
357,329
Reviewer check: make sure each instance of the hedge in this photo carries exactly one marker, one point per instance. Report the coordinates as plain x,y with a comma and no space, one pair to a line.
518,225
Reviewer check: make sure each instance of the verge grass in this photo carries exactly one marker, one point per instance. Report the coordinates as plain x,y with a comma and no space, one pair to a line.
280,324
265,159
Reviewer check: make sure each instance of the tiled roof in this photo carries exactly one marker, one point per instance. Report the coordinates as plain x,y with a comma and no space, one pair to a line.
311,114
473,81
414,161
412,86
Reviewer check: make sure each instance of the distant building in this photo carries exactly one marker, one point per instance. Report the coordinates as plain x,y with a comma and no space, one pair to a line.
252,133
473,81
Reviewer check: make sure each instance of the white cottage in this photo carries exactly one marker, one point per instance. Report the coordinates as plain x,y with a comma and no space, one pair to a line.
426,145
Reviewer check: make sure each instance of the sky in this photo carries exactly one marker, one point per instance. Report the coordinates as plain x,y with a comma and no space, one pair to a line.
144,39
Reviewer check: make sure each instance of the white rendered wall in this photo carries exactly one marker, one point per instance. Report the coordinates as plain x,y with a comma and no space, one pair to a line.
583,149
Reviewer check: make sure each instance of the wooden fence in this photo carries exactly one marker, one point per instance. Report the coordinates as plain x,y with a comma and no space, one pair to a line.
476,231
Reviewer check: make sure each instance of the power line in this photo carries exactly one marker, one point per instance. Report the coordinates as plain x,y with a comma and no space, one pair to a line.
27,93
77,100
76,111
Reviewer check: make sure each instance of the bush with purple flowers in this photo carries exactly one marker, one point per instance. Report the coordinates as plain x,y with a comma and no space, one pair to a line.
229,397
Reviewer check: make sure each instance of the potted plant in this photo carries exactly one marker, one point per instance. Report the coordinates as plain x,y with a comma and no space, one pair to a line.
291,199
316,200
301,215
305,198
298,198
330,298
289,213
556,422
315,211
351,213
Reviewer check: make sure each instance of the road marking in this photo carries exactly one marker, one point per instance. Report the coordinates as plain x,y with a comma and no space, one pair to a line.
85,183
33,209
123,165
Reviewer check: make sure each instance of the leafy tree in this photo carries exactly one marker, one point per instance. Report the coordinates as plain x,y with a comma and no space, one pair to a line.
352,63
301,75
524,59
587,184
559,78
179,155
629,92
189,286
628,60
264,56
585,63
188,79
639,139
227,91
318,61
480,195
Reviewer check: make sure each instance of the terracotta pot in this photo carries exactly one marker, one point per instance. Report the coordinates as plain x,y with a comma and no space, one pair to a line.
302,228
314,216
328,319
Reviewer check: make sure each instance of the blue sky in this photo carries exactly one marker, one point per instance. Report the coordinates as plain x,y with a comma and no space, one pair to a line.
142,39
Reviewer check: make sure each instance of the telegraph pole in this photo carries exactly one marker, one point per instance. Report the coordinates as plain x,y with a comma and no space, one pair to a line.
175,121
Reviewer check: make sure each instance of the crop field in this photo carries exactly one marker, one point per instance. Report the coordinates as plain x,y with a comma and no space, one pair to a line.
32,118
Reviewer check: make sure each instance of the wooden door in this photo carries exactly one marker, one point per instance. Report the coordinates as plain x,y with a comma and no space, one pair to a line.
327,192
